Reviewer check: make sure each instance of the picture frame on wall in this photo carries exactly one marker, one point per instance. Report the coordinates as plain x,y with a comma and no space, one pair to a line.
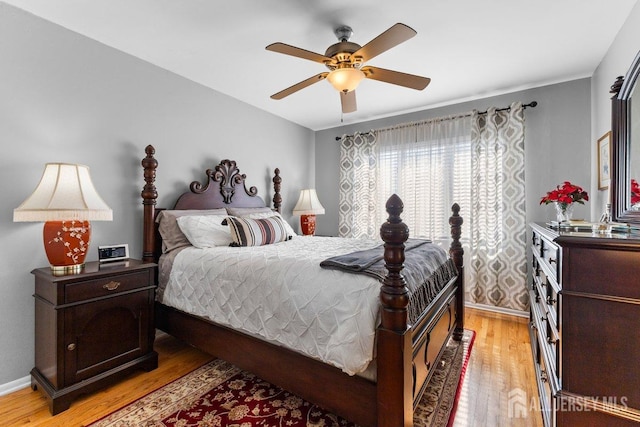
604,161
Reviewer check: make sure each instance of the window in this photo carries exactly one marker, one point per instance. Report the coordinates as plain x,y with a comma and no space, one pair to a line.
430,178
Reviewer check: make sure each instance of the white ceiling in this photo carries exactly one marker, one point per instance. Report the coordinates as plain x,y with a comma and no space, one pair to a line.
470,49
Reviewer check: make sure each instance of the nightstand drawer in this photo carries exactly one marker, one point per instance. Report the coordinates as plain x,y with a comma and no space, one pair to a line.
112,285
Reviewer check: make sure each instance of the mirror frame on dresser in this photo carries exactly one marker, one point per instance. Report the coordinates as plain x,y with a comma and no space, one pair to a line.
620,186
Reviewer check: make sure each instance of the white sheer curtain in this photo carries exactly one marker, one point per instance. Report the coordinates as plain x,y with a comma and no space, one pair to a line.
428,164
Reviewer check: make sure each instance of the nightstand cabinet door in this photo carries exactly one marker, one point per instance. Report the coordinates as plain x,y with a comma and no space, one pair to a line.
92,328
104,334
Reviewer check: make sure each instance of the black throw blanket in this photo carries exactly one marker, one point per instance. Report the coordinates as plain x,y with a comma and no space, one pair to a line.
362,261
427,270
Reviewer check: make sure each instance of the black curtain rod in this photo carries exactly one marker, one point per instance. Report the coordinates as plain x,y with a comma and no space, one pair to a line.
532,104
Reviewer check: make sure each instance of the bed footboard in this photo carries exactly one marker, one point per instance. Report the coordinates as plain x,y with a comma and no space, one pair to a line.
405,353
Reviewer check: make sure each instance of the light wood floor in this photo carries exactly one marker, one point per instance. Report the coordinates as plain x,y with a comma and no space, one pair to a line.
500,362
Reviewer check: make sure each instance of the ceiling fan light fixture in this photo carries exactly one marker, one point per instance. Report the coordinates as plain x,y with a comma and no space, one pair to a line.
345,79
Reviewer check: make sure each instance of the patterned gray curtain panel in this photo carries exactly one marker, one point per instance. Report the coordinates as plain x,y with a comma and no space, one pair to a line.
358,164
498,262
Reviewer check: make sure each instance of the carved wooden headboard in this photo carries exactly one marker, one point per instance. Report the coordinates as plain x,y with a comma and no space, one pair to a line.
224,187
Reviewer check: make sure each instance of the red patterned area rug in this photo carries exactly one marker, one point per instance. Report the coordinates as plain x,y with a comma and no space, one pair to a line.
221,395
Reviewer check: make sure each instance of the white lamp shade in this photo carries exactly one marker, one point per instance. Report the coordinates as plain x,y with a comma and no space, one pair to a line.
308,203
345,79
65,192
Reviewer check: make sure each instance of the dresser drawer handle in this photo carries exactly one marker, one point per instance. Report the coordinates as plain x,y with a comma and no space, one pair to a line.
552,260
111,286
550,300
71,347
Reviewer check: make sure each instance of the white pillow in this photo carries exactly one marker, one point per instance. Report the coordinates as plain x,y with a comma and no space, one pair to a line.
172,236
205,231
259,215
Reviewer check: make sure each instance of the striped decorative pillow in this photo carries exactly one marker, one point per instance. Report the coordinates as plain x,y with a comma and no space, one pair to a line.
257,232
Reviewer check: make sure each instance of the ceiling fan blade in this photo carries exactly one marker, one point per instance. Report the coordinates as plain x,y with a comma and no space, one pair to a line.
348,101
392,37
297,52
397,78
301,85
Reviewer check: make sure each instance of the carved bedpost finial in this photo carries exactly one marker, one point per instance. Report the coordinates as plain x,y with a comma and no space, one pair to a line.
455,221
150,164
394,295
149,197
277,197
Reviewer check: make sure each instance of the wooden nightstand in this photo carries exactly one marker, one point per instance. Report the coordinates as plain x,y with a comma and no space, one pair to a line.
92,328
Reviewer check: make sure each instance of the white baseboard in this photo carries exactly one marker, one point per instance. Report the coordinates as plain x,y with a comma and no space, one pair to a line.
501,310
16,385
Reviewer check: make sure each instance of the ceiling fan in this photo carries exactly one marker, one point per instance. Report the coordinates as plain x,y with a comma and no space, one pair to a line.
345,61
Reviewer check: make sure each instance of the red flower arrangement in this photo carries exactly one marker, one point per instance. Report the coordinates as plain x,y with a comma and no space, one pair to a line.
566,194
635,192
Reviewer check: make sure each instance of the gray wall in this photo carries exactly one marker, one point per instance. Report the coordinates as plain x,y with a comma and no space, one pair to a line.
557,136
67,98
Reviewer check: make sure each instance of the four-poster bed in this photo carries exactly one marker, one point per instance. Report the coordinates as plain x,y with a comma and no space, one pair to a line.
405,350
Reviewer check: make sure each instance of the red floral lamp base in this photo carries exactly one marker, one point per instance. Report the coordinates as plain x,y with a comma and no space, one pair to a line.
66,244
308,224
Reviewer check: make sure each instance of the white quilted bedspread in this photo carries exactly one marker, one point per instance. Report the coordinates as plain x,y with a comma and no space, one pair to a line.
280,293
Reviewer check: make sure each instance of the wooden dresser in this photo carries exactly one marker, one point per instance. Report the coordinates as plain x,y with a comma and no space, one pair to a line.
585,326
91,328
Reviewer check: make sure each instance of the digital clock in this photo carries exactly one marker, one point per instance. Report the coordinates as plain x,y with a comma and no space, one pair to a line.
113,253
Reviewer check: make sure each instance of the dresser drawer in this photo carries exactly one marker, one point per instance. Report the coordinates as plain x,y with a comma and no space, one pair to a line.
552,299
551,349
550,258
549,295
547,393
535,268
107,286
536,243
547,337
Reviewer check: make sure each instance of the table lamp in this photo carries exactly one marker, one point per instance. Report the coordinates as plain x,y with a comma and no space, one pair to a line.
66,200
308,207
